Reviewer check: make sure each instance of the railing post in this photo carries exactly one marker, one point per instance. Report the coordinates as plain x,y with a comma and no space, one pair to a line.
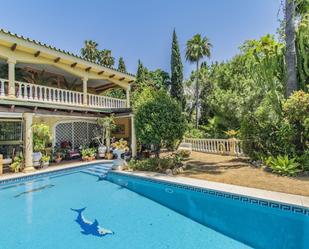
2,92
233,146
11,76
85,80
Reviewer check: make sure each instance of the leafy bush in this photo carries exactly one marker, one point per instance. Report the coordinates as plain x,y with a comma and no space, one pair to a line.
17,164
45,158
296,113
157,164
88,152
194,133
152,164
158,119
183,153
41,137
283,165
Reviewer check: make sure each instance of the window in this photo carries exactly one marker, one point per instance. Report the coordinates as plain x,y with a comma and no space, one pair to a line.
11,136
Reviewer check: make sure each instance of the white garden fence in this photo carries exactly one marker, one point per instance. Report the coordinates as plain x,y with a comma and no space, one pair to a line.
217,146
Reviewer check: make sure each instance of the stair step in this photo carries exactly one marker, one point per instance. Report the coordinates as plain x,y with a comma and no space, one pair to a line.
99,170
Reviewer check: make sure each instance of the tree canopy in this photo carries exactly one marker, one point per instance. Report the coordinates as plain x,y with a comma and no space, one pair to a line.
158,119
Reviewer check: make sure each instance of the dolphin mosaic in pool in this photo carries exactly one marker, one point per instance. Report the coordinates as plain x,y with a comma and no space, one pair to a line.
90,228
35,190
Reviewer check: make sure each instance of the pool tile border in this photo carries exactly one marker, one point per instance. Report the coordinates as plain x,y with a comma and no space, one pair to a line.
242,198
42,174
223,194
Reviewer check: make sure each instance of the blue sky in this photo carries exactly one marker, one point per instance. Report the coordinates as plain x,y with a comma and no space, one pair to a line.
142,29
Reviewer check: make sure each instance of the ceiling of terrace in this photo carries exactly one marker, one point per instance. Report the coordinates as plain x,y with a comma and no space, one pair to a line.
57,72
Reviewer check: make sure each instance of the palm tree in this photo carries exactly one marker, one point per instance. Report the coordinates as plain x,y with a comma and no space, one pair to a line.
105,58
290,54
90,50
197,49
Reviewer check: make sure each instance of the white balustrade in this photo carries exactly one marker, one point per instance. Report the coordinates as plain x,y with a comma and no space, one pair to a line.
39,93
105,102
217,146
4,84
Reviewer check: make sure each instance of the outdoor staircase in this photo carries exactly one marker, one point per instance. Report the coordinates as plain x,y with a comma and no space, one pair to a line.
99,170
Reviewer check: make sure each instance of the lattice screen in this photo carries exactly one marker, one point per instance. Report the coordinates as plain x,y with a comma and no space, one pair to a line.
78,133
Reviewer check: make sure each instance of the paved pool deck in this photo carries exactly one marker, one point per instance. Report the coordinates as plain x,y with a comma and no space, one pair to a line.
291,199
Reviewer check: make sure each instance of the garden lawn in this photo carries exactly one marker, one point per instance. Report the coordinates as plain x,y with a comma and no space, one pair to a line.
238,171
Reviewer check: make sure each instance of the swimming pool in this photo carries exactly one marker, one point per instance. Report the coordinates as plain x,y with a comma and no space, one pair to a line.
73,209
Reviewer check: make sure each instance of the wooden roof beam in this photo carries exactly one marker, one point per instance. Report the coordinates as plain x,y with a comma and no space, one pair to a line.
121,79
131,81
74,64
112,76
57,59
101,72
37,53
13,47
88,69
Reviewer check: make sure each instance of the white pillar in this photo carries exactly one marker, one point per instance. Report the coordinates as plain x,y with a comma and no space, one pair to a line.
128,91
28,142
85,80
133,137
11,77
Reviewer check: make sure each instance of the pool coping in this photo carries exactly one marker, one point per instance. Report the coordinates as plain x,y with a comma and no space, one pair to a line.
290,199
54,169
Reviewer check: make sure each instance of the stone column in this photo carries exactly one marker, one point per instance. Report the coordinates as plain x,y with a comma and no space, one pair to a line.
11,77
133,137
28,142
128,91
85,80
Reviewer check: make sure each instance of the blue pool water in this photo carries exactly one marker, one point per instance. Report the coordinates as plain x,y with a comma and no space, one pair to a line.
125,212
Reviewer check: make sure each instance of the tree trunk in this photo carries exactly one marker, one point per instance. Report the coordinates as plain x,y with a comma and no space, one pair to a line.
290,54
197,95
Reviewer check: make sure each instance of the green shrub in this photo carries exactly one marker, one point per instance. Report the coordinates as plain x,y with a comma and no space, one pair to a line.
41,137
17,164
156,164
158,119
88,152
151,164
184,153
304,161
282,165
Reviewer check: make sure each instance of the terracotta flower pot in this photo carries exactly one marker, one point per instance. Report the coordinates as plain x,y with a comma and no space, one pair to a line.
109,156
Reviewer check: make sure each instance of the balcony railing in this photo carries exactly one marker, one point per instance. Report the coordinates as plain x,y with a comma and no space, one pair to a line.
38,93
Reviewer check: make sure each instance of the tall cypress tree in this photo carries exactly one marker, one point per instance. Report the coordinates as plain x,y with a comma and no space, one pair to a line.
121,65
177,91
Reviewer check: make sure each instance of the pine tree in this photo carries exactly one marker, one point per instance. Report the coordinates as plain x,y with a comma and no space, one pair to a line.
121,65
177,91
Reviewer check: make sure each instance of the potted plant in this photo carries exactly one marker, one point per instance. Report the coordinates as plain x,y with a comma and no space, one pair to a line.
88,154
109,155
58,157
100,142
120,147
45,161
17,164
41,137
